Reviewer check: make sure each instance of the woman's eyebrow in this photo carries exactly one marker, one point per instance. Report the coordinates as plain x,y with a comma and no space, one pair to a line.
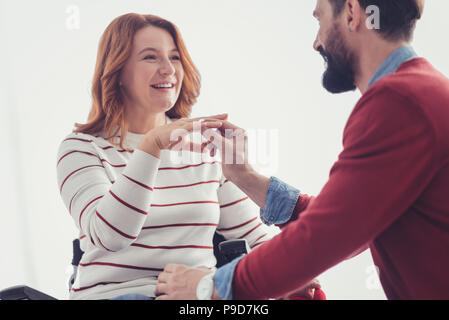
153,49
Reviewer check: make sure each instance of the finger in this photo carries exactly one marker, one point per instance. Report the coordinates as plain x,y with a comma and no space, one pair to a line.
201,126
171,267
190,146
163,297
160,289
217,139
223,116
163,277
315,284
204,268
228,125
175,268
210,148
310,292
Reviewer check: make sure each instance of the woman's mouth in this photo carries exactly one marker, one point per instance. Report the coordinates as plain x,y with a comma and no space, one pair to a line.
162,86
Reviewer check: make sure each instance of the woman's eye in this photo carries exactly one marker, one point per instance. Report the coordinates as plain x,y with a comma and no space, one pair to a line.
176,58
150,57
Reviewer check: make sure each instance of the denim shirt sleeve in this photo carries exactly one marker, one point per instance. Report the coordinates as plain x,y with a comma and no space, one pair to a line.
223,279
280,202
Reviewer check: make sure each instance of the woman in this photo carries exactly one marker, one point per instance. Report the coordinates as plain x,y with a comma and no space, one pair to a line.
135,208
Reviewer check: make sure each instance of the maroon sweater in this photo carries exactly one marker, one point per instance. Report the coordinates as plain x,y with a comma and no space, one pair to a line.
389,190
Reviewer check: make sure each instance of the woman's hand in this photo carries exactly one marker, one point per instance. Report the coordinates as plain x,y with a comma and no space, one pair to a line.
163,137
179,282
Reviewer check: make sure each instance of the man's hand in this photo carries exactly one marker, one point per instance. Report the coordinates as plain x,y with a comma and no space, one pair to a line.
232,143
306,292
179,282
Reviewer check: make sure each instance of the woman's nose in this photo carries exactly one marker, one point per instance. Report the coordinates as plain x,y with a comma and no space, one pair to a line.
167,68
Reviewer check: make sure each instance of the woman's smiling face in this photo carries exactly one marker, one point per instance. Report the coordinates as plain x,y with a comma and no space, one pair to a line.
152,77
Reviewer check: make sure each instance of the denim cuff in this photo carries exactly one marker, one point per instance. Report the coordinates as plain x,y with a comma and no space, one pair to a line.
223,279
280,202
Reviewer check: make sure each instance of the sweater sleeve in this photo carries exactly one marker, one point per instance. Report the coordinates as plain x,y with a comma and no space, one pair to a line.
387,161
239,216
110,213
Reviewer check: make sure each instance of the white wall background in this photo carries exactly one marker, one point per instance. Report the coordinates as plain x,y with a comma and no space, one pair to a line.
257,64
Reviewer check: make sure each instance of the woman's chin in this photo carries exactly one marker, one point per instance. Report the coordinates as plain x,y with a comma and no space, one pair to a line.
162,106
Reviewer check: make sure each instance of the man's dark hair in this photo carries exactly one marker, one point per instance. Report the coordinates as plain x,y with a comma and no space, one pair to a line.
397,17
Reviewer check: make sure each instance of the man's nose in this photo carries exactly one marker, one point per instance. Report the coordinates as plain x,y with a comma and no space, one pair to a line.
317,44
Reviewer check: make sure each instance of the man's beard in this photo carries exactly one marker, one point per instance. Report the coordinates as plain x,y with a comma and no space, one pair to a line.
340,73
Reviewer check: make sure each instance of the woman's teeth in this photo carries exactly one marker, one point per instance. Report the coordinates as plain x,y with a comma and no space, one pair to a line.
163,85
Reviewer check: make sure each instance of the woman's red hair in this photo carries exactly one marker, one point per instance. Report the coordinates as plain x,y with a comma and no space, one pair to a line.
108,110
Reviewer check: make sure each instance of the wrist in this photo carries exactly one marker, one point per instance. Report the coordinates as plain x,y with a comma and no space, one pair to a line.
149,145
241,175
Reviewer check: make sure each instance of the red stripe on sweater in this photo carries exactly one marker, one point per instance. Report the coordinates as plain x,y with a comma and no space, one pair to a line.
64,181
93,155
76,151
242,236
138,183
240,225
181,225
82,211
187,185
115,229
255,242
127,204
78,139
119,266
224,182
232,203
189,166
94,285
70,204
101,243
171,247
113,165
182,203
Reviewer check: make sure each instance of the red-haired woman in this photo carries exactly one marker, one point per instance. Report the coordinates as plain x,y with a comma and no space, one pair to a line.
135,208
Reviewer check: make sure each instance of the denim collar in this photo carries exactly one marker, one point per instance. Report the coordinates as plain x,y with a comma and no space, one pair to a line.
392,63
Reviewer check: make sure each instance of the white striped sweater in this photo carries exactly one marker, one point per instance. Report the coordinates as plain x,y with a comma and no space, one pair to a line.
136,213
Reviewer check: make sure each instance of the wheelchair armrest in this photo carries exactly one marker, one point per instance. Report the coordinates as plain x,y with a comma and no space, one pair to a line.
232,249
23,293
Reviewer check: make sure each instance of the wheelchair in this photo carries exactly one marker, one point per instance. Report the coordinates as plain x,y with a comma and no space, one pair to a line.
224,251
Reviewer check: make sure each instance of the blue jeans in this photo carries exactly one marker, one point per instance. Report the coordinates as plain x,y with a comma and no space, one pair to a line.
132,296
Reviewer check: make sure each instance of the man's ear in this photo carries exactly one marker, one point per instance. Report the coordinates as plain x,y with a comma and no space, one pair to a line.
421,7
353,15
